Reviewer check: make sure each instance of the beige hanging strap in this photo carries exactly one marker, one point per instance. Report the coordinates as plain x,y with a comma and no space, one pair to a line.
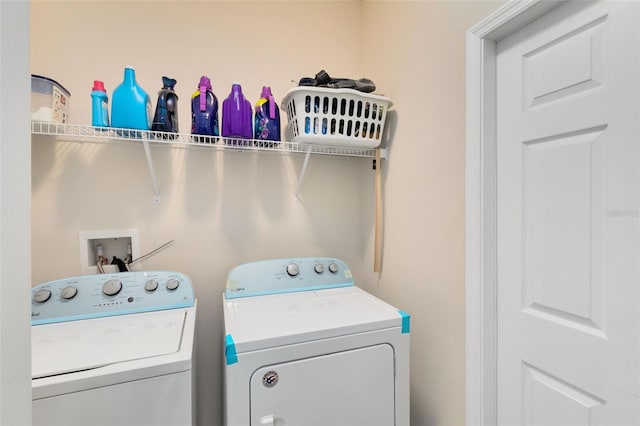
377,254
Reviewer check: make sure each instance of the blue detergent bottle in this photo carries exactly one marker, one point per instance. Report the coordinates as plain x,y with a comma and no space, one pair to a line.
204,110
166,116
267,119
99,105
130,104
237,116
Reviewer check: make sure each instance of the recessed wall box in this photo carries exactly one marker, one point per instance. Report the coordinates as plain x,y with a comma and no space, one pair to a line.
113,242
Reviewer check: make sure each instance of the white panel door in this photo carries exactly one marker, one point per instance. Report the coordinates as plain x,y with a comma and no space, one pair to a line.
568,188
351,388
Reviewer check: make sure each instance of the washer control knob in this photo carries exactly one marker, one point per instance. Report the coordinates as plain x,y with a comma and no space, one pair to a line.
151,285
333,268
172,284
69,292
112,287
293,269
319,268
41,296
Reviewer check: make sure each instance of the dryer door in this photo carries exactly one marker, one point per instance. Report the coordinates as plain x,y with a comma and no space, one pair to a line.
354,388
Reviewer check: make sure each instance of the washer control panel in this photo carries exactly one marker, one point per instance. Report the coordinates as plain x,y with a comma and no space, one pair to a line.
287,276
94,296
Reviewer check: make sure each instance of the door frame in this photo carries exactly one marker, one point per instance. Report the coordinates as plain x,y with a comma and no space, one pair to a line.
15,214
481,199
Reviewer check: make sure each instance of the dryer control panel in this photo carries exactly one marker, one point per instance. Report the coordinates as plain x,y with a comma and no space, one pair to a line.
102,295
287,275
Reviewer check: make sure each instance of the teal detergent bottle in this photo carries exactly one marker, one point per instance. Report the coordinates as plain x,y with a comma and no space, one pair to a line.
99,105
130,104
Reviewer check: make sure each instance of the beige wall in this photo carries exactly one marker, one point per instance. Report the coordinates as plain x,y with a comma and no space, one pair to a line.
226,208
416,52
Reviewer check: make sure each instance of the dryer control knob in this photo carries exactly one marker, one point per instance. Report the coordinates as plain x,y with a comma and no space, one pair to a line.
151,285
69,292
41,296
319,268
112,287
293,269
333,268
172,284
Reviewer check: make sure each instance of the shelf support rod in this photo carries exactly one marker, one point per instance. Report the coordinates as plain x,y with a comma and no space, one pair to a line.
152,172
302,172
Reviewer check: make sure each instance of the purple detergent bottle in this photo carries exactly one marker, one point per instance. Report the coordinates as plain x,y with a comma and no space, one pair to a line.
236,116
267,120
204,111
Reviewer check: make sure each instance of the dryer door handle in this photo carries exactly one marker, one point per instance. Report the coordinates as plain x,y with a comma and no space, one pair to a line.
268,420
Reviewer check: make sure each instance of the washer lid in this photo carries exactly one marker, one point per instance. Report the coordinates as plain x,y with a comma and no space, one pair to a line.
83,345
274,320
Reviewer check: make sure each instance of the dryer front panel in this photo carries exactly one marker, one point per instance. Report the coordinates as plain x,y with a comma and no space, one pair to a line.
354,387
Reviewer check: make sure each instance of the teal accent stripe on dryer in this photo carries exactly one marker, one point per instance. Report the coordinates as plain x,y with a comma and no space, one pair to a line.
406,321
230,350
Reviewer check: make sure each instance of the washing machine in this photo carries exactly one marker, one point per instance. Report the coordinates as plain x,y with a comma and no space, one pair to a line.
305,346
113,349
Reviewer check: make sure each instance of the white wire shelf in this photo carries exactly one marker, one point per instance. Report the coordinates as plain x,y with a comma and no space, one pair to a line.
84,133
90,134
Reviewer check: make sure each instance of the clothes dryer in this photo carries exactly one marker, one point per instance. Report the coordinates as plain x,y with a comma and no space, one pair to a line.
305,346
113,349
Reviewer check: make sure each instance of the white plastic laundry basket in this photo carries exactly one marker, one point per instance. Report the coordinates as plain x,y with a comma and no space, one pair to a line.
341,117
